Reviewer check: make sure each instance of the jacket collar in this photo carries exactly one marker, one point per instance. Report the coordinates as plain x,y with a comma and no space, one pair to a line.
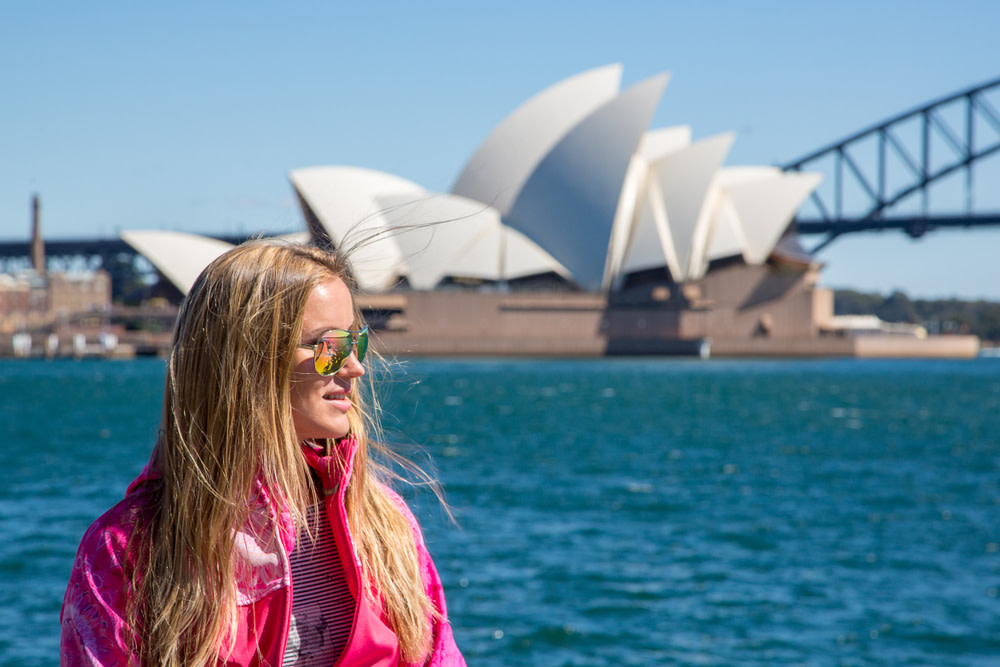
334,467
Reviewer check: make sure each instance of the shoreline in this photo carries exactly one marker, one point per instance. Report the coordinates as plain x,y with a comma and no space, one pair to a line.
393,344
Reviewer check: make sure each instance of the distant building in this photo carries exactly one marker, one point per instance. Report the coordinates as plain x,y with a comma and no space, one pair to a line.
36,298
15,294
872,325
28,300
71,293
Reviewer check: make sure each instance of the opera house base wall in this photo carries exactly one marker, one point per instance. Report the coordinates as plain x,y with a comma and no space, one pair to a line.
964,347
735,300
465,323
737,311
864,347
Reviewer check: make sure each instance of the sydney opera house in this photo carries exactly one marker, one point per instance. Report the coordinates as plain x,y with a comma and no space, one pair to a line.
573,229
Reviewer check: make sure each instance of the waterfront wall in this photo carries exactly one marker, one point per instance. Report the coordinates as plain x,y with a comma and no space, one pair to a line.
736,311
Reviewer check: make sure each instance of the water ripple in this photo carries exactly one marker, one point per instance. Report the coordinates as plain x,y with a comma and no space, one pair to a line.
613,512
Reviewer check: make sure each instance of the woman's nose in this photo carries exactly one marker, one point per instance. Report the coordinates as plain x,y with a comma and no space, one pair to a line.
352,367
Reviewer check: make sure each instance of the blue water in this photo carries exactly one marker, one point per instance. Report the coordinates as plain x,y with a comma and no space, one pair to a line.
611,512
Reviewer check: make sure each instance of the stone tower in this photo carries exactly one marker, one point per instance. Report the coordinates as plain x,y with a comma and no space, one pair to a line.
37,244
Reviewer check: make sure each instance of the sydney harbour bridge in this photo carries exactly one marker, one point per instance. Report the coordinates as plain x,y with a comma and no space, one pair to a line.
885,176
890,176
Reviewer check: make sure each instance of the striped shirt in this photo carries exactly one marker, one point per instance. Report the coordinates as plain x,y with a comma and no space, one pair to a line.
322,604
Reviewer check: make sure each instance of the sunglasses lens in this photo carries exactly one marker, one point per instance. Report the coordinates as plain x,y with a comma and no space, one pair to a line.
362,345
331,353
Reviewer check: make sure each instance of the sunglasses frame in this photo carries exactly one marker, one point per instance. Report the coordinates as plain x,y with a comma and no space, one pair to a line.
353,336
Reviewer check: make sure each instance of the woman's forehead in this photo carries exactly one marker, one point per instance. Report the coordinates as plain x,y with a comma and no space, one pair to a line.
329,306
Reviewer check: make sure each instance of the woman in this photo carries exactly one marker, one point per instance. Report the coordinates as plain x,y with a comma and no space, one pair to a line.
261,531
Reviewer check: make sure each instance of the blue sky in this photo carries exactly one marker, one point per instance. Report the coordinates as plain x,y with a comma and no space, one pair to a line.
188,116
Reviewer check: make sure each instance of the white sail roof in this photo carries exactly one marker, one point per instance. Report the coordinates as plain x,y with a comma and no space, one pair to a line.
408,232
447,235
765,208
726,235
640,222
569,203
346,202
683,182
180,257
570,182
498,170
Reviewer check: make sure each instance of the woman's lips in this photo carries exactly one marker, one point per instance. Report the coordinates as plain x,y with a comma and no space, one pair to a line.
340,398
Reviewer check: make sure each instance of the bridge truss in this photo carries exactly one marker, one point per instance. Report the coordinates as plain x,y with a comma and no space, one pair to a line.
915,172
115,256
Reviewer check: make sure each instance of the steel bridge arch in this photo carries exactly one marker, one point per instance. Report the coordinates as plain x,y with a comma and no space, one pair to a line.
920,172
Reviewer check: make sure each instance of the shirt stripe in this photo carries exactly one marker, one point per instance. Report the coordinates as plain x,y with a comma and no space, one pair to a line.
322,604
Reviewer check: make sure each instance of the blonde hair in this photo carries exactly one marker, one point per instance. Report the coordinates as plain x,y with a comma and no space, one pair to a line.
227,425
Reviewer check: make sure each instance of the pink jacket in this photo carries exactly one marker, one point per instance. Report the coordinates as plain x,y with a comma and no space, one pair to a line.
94,631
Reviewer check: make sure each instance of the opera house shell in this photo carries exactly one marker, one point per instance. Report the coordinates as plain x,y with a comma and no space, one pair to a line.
574,229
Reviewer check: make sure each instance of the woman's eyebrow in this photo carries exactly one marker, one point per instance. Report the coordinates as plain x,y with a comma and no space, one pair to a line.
315,333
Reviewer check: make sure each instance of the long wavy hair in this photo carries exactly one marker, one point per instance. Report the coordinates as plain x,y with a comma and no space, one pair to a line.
227,426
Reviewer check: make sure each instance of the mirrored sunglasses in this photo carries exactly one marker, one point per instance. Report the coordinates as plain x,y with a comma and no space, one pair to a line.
334,349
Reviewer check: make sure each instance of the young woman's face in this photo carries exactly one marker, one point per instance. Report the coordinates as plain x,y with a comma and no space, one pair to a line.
320,403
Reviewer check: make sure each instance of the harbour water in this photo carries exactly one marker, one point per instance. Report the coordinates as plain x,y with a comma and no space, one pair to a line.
610,512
